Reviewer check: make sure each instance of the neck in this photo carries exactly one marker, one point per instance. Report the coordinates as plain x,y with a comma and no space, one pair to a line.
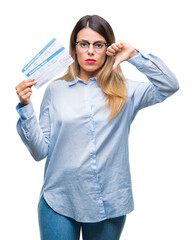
86,76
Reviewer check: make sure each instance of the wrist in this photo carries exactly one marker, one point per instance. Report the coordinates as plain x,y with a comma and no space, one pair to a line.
133,53
22,104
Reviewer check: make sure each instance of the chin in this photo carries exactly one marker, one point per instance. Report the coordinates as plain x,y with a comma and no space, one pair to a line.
91,69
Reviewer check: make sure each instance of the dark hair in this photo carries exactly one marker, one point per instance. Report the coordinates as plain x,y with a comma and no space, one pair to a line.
96,23
112,84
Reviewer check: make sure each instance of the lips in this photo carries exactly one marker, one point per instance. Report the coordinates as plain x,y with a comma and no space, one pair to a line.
90,60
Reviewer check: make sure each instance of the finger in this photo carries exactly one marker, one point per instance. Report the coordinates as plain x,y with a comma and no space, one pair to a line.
25,84
29,80
24,92
119,46
110,53
120,43
115,65
26,97
114,68
111,50
25,81
115,47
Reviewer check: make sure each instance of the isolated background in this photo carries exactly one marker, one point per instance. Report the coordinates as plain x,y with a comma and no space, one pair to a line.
162,136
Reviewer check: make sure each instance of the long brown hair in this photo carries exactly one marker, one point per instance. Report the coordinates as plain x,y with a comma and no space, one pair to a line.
112,84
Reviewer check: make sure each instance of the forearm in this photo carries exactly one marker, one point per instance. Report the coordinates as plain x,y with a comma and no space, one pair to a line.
163,80
31,133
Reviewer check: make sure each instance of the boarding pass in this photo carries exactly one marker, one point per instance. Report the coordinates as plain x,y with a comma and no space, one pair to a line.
48,63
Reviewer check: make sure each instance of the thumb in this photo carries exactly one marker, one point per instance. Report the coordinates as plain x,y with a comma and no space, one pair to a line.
115,65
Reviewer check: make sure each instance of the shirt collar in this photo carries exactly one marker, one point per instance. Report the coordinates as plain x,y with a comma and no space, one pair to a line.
77,79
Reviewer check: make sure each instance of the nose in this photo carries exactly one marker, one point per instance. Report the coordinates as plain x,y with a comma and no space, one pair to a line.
91,49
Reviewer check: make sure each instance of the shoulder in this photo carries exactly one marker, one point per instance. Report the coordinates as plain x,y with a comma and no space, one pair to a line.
54,88
56,85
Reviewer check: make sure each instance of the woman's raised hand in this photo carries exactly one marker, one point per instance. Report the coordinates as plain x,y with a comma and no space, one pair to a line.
24,91
121,51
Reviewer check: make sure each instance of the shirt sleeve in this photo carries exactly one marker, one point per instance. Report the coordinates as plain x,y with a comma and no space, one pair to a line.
163,83
34,134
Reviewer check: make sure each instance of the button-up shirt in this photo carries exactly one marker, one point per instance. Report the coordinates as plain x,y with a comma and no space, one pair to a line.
87,173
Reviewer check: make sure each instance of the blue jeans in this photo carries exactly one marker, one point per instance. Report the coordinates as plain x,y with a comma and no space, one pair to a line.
54,226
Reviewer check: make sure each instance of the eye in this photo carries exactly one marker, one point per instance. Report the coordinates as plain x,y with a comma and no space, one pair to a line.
83,44
99,45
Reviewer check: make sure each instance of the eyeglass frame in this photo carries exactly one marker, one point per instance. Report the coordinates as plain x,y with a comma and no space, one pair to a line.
106,44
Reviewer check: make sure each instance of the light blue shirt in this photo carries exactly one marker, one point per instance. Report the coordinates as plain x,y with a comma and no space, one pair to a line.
87,174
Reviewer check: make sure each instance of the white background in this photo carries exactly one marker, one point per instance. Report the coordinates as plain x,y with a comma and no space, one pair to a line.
162,136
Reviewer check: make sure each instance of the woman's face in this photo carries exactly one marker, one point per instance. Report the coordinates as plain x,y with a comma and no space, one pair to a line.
89,68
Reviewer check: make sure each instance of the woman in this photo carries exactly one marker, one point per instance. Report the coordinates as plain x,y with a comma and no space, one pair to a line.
83,130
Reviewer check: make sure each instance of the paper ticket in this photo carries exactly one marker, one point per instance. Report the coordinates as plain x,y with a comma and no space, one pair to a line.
48,63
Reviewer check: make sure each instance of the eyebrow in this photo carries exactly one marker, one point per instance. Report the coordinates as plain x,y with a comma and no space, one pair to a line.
88,41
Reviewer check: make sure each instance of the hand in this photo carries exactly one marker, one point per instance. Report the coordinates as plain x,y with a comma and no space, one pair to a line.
24,91
121,51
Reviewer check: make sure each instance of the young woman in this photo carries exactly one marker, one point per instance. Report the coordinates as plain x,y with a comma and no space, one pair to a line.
83,129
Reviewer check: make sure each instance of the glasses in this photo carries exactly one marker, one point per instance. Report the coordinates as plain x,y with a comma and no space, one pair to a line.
98,46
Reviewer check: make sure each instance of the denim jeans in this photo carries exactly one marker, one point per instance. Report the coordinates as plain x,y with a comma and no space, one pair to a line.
54,226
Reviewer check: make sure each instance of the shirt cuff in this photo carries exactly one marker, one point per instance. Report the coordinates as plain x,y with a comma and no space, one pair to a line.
25,112
139,59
